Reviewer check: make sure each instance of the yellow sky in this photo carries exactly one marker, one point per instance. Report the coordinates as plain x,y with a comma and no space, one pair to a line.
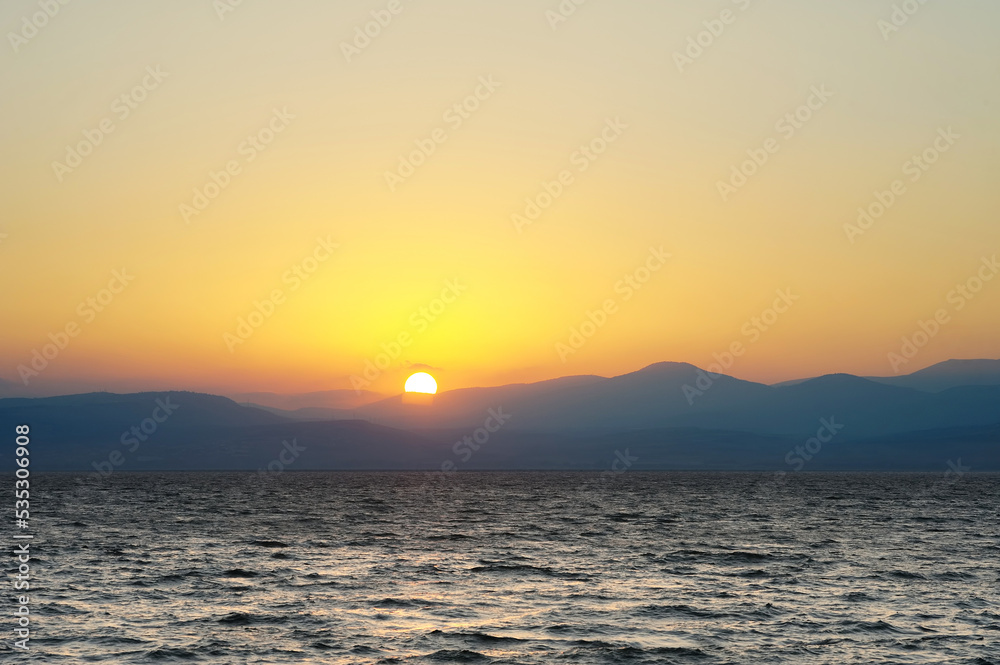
614,122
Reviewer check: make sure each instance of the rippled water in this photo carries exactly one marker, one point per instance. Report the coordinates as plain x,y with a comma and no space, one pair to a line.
516,568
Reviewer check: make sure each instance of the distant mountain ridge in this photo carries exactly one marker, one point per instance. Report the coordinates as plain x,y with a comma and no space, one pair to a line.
337,400
948,374
682,395
668,415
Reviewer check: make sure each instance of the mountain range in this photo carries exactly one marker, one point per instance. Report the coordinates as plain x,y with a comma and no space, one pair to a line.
665,416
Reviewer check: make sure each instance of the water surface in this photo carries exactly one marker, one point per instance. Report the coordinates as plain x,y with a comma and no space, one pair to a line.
516,568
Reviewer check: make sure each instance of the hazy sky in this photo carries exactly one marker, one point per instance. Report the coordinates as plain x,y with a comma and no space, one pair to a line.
119,116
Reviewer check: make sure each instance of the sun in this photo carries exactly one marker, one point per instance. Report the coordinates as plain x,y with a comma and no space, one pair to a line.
421,382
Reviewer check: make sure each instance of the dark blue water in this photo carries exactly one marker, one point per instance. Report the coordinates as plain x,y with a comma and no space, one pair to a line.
515,568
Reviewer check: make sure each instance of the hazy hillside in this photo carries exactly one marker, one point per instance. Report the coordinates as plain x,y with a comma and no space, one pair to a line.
949,374
579,422
671,395
340,400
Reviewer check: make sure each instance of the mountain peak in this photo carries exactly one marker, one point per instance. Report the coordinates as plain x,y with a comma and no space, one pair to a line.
957,365
836,378
667,366
838,381
949,374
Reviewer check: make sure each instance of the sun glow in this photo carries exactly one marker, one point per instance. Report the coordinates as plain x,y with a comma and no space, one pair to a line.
421,382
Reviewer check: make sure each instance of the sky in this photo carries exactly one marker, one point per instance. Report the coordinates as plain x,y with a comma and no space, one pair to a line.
259,196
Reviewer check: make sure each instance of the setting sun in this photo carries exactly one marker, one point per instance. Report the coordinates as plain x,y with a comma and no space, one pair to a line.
421,382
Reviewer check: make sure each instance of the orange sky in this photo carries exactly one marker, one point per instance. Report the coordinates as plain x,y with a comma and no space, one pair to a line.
492,189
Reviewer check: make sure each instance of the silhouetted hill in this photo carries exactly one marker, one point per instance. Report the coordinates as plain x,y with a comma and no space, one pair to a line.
677,395
81,414
668,415
949,374
650,397
338,400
